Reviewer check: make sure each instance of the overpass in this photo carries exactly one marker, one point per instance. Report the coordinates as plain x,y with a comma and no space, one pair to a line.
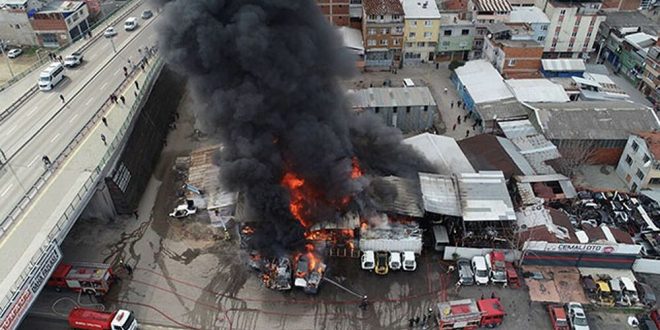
39,205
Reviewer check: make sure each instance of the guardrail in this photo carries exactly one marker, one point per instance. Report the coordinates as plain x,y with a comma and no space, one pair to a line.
65,222
7,112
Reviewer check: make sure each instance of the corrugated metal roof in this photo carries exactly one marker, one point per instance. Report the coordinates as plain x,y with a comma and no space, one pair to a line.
537,90
391,97
564,182
516,128
440,194
493,5
484,197
516,156
408,199
352,39
564,64
503,109
483,82
442,151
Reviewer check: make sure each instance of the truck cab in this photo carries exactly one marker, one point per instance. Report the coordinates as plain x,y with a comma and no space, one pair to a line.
124,320
83,318
497,265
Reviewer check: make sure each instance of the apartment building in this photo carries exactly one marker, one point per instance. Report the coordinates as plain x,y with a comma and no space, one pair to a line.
533,16
639,166
651,76
59,22
483,12
382,32
573,27
513,50
336,11
422,24
455,38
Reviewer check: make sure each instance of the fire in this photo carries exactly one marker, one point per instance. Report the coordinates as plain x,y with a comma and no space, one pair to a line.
297,204
356,172
247,230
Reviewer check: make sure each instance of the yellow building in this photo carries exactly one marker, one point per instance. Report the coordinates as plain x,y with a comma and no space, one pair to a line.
421,29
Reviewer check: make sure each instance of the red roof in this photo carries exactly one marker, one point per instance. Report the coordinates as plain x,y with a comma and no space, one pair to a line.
382,7
492,306
458,5
652,141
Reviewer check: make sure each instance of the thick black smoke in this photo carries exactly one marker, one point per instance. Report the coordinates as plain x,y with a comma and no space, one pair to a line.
265,74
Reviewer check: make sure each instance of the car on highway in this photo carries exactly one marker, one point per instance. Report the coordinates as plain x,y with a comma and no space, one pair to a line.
381,263
131,24
73,60
576,316
147,14
110,32
51,76
14,53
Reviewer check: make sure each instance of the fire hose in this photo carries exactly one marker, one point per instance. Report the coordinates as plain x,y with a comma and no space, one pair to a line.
75,304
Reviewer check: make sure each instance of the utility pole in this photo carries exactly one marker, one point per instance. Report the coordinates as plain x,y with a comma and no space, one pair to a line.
2,49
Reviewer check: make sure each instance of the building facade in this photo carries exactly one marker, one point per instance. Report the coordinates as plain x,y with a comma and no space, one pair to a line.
455,38
573,27
481,13
410,109
633,53
59,23
613,31
422,24
336,11
651,76
15,28
514,52
382,32
533,16
639,166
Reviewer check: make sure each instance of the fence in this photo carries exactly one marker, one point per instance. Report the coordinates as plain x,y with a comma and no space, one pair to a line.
68,218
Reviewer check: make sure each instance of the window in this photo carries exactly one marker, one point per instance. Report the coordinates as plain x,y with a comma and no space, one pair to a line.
372,32
554,44
411,35
465,32
541,38
371,42
445,43
407,109
512,62
383,42
570,44
376,110
398,30
413,23
427,35
421,44
589,34
373,17
562,12
635,146
383,31
447,33
633,187
426,108
409,44
574,34
382,17
394,110
396,42
629,160
396,17
544,28
646,159
654,181
556,33
640,175
428,23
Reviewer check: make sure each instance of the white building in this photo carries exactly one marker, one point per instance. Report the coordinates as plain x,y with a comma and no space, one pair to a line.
15,28
533,16
573,27
639,166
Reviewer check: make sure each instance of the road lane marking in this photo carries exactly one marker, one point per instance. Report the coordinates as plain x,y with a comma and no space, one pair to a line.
32,162
10,130
7,190
32,111
89,101
55,137
73,118
104,85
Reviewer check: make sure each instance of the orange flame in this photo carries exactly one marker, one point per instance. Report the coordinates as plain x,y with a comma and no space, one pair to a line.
356,172
296,206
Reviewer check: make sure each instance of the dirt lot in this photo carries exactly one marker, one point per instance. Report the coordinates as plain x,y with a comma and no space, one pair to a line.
18,65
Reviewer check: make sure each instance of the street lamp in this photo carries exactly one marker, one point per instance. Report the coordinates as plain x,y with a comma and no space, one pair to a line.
112,42
4,161
2,49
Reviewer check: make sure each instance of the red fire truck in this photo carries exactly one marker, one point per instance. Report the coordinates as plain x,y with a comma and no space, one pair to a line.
83,318
90,278
469,314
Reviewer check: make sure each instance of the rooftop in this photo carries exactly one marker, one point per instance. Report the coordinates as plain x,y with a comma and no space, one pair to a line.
487,154
519,43
563,64
382,7
442,151
352,39
528,15
484,197
391,97
629,19
512,150
537,90
483,82
453,5
61,6
593,120
501,110
440,194
641,40
493,5
416,9
406,201
652,141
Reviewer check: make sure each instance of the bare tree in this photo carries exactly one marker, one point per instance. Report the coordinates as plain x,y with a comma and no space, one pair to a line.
574,154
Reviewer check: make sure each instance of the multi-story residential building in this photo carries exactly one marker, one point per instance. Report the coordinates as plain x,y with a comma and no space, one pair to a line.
633,53
639,165
15,28
513,51
533,16
651,76
627,5
382,32
573,27
59,22
456,38
483,12
336,11
422,24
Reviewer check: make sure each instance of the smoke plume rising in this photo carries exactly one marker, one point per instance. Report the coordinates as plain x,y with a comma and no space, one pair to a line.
265,76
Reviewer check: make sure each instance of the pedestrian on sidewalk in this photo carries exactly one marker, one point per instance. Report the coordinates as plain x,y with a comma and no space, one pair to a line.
123,99
125,70
364,303
458,119
467,133
451,105
129,269
135,213
105,121
104,140
445,90
459,103
46,161
62,98
140,51
465,118
61,59
89,33
137,85
474,126
453,128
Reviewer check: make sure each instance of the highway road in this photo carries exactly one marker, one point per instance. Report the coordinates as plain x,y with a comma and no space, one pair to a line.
44,125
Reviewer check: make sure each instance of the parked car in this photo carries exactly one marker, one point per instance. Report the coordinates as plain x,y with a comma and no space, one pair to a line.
73,60
14,53
110,32
147,14
395,261
381,263
465,273
480,270
368,260
183,211
409,263
558,317
577,317
646,294
302,268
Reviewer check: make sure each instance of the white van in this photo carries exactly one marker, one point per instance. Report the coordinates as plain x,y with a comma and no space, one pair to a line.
409,263
131,24
50,77
368,260
480,270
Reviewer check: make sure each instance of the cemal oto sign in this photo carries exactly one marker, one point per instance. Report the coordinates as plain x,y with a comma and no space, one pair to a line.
627,249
